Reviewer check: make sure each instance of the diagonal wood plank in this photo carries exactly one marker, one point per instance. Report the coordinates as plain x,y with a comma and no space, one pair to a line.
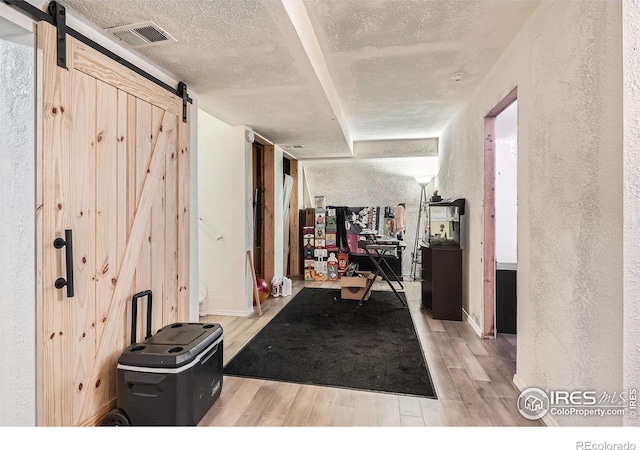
152,182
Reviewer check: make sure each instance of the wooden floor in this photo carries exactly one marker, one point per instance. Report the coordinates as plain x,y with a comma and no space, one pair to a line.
472,378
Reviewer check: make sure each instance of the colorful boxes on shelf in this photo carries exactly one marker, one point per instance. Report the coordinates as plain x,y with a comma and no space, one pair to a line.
343,262
332,267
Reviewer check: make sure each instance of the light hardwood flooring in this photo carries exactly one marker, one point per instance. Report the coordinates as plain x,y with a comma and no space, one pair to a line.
472,378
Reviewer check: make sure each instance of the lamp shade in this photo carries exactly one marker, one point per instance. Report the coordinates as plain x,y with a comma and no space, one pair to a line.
423,179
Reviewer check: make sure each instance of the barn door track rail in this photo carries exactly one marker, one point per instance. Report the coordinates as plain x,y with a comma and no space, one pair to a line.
56,15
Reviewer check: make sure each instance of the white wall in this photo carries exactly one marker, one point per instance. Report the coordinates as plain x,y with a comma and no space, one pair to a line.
222,202
566,62
631,151
506,187
17,228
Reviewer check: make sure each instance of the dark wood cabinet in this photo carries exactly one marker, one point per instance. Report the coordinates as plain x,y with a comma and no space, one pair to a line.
442,282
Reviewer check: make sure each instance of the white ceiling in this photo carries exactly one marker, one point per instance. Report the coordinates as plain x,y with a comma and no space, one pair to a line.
326,73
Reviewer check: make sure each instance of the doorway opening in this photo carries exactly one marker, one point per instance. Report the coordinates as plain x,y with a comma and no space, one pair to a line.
500,222
506,185
291,214
263,209
258,209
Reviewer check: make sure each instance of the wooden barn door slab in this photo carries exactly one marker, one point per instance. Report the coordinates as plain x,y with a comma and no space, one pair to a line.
115,171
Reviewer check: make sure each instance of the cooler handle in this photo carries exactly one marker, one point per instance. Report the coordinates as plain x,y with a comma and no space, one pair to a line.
134,314
208,356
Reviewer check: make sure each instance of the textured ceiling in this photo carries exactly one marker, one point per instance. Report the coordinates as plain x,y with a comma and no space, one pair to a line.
388,63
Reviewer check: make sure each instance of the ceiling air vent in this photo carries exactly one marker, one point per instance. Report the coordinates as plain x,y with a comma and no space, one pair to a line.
292,147
144,34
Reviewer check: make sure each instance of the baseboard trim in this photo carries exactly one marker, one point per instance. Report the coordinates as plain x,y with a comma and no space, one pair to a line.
475,326
518,383
229,312
547,420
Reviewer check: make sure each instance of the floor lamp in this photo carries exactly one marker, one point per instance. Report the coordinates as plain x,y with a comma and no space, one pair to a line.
422,209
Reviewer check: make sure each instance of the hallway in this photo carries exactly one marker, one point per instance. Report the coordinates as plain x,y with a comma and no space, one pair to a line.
472,378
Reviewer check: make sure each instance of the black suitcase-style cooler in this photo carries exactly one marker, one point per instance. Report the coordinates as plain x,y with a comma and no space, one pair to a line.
171,378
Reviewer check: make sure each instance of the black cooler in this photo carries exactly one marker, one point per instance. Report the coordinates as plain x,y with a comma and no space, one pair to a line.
171,378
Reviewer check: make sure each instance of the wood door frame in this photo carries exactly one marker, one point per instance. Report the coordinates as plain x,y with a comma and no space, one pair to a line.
489,215
266,168
294,222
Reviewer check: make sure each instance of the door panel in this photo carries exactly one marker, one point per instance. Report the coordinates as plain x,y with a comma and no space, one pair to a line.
80,190
115,171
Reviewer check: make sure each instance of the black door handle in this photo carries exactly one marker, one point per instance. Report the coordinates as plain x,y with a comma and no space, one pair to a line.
67,243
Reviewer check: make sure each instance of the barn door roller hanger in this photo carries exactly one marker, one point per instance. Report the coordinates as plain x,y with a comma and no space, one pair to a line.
56,15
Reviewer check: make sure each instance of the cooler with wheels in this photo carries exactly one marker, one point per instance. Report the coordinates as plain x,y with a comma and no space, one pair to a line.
171,378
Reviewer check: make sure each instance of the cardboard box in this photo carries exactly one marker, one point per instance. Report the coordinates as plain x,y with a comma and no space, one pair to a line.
355,288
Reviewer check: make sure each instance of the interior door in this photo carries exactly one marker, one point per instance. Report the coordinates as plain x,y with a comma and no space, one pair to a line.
115,173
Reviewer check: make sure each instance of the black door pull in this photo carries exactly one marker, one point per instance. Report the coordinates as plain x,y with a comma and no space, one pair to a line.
67,243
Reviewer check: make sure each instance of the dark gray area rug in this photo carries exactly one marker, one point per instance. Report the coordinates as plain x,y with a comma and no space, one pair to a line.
320,339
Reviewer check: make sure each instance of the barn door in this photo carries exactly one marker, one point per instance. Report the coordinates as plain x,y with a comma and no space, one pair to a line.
115,174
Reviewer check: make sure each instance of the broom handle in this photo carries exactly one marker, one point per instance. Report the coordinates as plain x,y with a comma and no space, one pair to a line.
255,283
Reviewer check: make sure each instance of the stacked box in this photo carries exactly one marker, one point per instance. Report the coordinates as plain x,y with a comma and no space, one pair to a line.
309,270
309,217
320,253
332,267
308,234
331,224
320,270
343,262
330,241
308,242
308,252
308,237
